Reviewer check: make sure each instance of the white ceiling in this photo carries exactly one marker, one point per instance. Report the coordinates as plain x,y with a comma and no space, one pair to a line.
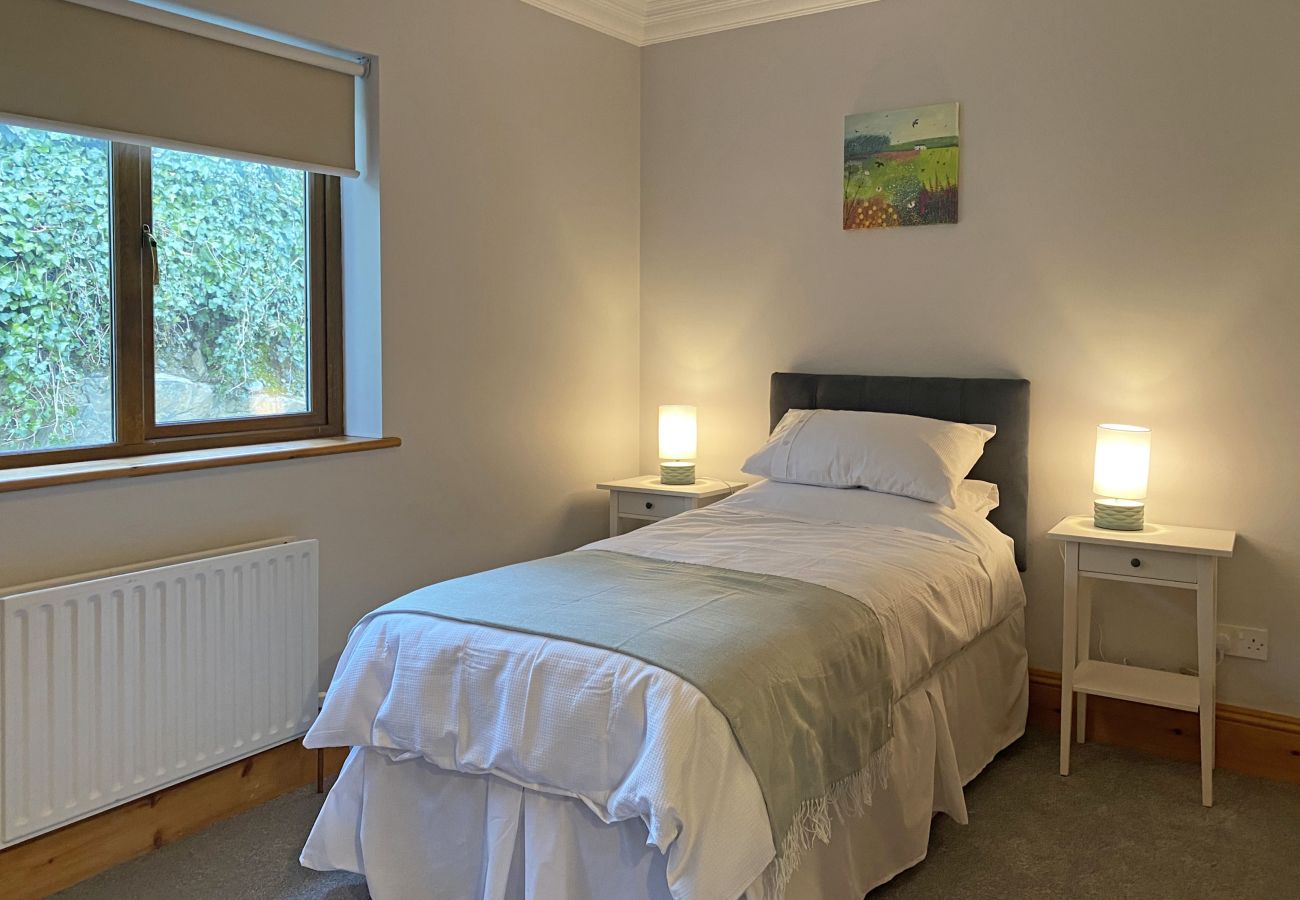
644,22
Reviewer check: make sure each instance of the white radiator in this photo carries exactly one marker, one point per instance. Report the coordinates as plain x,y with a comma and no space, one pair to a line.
122,683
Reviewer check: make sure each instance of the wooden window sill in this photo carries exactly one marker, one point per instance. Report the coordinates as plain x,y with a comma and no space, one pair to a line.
184,461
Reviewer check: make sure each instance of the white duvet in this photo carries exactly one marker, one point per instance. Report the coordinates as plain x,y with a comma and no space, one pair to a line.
631,740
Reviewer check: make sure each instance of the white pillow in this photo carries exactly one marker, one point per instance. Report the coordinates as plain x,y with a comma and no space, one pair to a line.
978,497
895,454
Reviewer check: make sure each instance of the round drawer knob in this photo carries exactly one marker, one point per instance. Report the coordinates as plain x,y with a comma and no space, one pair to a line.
1135,562
649,505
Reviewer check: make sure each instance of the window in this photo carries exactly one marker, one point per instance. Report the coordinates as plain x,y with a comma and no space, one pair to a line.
154,299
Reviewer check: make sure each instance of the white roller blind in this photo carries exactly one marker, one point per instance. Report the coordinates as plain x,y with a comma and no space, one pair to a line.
87,70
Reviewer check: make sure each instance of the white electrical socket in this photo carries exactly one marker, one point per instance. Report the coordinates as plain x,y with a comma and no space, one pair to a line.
1251,643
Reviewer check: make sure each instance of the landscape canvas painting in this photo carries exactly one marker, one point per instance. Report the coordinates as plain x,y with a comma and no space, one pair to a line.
900,167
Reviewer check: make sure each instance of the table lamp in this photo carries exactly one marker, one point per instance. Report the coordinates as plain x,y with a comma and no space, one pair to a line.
677,444
1119,477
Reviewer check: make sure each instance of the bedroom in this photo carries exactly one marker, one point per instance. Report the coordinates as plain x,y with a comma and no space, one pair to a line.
557,230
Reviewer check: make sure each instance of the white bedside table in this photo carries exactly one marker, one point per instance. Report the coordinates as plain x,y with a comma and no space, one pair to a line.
643,498
1168,555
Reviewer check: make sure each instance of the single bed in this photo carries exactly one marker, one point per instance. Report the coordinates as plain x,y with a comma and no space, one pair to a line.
492,763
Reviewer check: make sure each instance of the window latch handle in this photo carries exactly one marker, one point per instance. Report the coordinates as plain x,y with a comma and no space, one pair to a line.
151,242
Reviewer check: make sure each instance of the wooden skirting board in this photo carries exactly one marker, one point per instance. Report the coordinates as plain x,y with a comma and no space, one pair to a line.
1247,740
62,858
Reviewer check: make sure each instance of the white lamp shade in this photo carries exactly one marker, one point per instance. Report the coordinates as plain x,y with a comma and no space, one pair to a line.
1122,463
677,432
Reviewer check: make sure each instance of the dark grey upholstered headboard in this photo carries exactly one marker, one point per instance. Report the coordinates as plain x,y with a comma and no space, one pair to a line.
1003,402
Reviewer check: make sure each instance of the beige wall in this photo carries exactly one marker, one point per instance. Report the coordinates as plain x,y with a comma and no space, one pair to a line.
509,154
1129,241
1127,194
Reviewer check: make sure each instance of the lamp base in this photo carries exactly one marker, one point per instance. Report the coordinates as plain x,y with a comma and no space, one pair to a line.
1119,515
677,473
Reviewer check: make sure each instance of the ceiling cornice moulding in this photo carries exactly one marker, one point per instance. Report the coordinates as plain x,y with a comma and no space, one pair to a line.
643,22
623,19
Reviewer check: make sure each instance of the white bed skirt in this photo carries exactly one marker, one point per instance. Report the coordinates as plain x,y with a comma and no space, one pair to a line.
416,831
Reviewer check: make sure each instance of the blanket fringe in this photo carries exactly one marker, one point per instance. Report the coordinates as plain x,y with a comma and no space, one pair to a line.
848,798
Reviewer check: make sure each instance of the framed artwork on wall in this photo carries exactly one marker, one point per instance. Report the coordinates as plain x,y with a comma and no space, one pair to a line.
900,167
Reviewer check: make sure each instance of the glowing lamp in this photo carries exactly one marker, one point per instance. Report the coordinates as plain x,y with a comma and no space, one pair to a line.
677,444
1119,477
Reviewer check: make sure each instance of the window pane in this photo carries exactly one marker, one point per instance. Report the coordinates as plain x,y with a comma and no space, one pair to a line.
230,312
56,321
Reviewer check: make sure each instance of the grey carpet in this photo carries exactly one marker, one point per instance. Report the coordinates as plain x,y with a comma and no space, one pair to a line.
1123,825
253,855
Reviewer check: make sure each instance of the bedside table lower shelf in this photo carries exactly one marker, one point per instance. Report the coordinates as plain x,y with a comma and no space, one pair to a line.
1153,686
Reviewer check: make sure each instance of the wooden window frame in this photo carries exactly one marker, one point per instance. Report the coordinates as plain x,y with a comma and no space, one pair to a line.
135,431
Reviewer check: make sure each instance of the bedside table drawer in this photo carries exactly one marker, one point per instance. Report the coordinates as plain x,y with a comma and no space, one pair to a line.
652,506
1158,564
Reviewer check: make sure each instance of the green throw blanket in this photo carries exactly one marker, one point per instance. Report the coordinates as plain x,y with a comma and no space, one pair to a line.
799,671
